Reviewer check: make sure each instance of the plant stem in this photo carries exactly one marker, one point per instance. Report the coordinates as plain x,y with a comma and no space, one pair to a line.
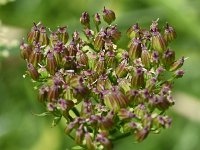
76,112
115,138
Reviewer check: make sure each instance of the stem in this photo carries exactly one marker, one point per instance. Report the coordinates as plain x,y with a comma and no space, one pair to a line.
76,112
121,136
71,137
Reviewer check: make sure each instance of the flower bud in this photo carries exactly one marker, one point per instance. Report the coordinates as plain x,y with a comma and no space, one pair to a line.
124,85
104,141
79,135
33,35
51,106
65,105
43,38
89,33
142,134
82,58
110,59
43,91
36,56
63,35
72,49
70,127
145,57
25,50
51,63
155,57
133,96
100,66
106,123
140,111
158,43
147,121
97,19
137,80
85,19
122,70
179,73
33,71
115,34
133,31
53,38
169,33
108,15
150,84
125,114
115,100
99,41
76,81
135,49
177,64
168,58
130,126
53,93
89,142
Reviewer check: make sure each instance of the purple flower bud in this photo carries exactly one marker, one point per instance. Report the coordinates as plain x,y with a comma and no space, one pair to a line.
33,71
54,38
99,41
42,95
106,123
135,49
53,93
133,31
133,96
104,141
169,33
50,107
97,19
36,56
51,63
168,58
33,35
89,33
62,34
85,19
79,135
108,15
142,134
25,50
121,71
72,49
70,127
179,73
177,64
150,84
89,141
115,34
43,38
137,80
115,100
125,114
145,57
65,104
100,66
82,58
76,81
158,42
155,57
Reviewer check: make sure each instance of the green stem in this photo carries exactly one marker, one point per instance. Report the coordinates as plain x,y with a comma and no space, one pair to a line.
76,112
115,138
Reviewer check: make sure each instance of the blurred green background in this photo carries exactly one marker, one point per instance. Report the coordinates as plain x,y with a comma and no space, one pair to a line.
20,130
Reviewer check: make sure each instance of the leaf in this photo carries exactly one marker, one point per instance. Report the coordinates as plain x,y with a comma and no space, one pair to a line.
77,148
42,114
